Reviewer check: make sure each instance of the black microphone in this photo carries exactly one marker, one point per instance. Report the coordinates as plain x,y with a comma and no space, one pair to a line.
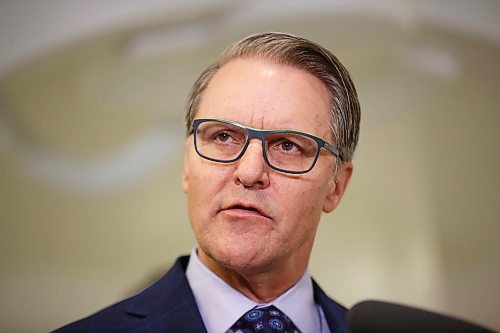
382,317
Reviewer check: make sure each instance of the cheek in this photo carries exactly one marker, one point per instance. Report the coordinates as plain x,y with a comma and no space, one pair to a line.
205,182
201,188
301,203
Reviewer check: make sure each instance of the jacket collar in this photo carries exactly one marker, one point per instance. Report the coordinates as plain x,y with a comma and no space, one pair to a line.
172,297
335,313
170,300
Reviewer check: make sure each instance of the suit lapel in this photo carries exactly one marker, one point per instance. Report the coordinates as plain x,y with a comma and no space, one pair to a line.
169,305
335,314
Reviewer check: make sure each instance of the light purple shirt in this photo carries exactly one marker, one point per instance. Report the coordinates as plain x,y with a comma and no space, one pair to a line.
221,306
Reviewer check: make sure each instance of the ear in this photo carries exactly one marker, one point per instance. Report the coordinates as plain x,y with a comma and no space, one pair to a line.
337,187
185,169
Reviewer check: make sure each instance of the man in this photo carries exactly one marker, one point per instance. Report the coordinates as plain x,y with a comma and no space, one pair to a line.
272,127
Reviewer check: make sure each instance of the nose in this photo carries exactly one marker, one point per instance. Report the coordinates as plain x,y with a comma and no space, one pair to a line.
252,170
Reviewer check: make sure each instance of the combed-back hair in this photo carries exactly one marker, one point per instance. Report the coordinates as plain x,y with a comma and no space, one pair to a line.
298,52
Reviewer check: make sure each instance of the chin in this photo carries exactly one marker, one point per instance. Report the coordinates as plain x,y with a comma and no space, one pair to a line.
241,257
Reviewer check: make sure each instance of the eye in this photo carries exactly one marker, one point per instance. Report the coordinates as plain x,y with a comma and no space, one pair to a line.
287,145
223,136
227,136
291,144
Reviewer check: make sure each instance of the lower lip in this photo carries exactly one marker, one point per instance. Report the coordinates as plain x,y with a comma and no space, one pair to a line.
238,213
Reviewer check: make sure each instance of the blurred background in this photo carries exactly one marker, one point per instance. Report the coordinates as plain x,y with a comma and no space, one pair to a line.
92,97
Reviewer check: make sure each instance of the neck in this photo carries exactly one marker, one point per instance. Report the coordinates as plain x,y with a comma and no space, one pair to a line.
261,285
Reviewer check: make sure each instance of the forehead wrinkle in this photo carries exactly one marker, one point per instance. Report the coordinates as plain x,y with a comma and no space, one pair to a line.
267,115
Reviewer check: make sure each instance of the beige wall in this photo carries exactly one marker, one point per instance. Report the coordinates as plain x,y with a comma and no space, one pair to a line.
419,224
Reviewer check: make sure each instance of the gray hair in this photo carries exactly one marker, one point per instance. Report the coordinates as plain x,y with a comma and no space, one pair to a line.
286,49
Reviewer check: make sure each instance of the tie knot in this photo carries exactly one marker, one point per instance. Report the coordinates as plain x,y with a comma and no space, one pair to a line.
265,320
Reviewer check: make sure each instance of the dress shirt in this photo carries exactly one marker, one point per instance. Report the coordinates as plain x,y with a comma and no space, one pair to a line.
221,306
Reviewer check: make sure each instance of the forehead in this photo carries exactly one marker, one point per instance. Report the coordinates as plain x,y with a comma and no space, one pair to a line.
266,95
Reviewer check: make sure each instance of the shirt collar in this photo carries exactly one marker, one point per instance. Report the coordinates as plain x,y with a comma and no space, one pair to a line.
220,305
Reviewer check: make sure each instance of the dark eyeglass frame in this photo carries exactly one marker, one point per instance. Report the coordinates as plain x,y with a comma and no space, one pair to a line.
261,134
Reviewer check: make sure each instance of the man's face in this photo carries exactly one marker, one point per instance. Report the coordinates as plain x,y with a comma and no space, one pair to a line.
245,215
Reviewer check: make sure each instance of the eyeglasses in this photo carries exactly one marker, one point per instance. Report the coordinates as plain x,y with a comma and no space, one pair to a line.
284,150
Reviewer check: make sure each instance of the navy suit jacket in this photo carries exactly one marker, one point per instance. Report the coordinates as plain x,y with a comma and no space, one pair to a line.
169,306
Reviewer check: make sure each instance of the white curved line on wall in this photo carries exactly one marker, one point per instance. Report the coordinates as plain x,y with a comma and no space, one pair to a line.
130,164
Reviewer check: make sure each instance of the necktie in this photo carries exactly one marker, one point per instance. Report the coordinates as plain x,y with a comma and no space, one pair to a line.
265,320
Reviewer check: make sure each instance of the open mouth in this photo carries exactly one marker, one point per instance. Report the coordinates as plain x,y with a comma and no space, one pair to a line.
246,210
251,209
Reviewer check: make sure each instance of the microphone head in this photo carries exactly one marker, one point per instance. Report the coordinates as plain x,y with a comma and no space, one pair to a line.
383,317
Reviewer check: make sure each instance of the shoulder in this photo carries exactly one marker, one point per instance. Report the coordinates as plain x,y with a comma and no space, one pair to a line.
113,318
153,309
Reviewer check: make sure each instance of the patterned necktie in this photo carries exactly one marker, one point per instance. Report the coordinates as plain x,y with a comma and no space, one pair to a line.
265,320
